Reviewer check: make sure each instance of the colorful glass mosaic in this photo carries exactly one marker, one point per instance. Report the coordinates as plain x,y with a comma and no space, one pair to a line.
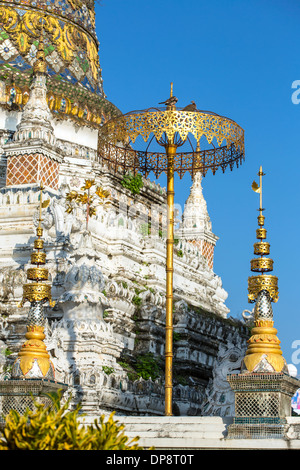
71,52
71,46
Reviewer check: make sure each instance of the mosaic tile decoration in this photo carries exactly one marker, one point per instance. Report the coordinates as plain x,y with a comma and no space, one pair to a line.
207,250
71,45
32,168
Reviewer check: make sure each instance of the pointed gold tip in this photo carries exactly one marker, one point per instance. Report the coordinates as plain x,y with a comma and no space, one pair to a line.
171,91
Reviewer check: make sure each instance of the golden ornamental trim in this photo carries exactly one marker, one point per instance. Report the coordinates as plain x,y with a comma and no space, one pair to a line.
37,274
38,244
38,257
36,292
158,122
261,220
261,233
276,360
264,338
34,349
262,264
39,231
262,282
259,323
261,248
116,153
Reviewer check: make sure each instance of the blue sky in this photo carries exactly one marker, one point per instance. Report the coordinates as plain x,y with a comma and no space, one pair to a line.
237,58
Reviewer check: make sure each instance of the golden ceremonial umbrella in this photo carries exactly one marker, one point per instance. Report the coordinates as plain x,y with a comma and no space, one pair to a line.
170,127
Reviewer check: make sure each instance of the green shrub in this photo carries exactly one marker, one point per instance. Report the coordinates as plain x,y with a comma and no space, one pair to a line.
137,300
133,182
55,428
147,366
108,370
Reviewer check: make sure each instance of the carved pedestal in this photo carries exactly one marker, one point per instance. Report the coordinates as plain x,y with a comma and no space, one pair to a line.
21,394
262,403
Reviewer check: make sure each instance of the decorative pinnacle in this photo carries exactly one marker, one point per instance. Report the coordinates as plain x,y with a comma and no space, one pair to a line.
262,264
33,359
40,65
258,189
38,291
264,353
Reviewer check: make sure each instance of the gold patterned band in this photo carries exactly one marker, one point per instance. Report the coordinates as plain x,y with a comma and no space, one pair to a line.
117,154
169,122
262,264
262,282
261,233
35,292
37,274
38,257
38,244
261,248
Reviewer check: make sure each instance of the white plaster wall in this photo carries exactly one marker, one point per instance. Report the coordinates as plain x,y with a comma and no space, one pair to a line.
65,130
9,120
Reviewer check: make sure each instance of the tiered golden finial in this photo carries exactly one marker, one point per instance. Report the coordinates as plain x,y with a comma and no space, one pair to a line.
261,264
264,353
40,65
33,359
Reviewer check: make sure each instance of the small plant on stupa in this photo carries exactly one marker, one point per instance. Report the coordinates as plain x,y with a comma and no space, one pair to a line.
133,182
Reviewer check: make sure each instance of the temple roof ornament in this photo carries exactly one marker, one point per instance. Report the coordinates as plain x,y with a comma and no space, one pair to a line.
264,352
36,116
195,214
71,56
196,226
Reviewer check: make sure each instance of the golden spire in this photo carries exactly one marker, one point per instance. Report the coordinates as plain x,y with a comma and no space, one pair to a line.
40,65
33,360
264,353
37,291
261,248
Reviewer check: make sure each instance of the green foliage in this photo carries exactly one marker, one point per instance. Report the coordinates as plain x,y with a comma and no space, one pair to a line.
131,373
133,182
176,336
108,370
136,300
6,352
55,428
147,366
